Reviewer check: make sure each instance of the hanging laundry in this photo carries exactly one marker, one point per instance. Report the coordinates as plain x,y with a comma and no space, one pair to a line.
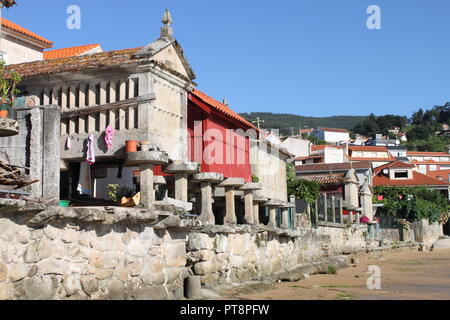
90,151
85,181
69,143
109,136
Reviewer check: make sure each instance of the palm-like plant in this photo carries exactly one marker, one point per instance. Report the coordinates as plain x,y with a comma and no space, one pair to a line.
8,87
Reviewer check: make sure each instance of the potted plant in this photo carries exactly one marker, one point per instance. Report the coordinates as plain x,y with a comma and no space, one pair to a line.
8,89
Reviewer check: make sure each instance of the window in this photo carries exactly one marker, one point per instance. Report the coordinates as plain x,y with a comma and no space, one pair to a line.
401,174
3,57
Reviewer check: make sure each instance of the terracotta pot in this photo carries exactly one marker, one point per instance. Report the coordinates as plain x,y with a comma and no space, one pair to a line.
131,146
3,113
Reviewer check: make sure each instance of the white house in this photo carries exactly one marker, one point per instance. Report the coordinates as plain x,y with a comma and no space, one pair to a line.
19,45
332,135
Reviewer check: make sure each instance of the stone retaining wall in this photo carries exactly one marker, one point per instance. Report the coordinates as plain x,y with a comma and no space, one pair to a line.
78,259
225,255
118,253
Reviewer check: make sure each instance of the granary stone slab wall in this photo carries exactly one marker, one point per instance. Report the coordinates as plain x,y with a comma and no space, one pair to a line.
426,232
227,255
82,259
269,165
37,148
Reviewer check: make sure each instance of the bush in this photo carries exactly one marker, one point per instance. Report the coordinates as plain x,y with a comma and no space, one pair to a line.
414,204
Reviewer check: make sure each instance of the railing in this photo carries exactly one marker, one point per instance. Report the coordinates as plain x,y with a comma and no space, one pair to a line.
78,104
329,209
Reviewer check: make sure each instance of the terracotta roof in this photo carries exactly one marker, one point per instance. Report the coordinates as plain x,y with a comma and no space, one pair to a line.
419,179
326,178
440,174
68,52
430,162
78,63
372,159
368,148
334,130
395,165
427,154
15,27
305,131
322,147
333,166
222,108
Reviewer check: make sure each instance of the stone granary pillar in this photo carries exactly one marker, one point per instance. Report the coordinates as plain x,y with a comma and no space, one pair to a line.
285,215
367,201
206,179
257,200
273,205
146,160
159,181
230,185
181,171
248,189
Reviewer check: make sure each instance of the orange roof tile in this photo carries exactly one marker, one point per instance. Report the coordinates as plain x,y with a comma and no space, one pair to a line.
322,147
15,27
221,108
427,154
367,148
440,174
68,52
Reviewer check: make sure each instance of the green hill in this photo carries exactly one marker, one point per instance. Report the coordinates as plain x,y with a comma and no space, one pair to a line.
288,123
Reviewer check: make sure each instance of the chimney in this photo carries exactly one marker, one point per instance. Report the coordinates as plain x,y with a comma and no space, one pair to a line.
225,102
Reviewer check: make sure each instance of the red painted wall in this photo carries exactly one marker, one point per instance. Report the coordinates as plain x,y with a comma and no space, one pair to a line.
209,144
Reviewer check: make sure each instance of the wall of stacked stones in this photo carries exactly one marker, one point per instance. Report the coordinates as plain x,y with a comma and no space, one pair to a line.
426,232
73,261
225,258
82,259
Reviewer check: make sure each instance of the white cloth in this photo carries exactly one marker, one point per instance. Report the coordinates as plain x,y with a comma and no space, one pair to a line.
90,152
85,180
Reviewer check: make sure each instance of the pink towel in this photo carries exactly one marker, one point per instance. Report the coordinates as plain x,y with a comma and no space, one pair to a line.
90,152
109,135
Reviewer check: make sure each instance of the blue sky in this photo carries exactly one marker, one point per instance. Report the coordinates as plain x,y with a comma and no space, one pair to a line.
308,57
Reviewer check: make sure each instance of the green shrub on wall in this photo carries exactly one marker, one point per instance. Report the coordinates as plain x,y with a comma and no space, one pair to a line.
414,204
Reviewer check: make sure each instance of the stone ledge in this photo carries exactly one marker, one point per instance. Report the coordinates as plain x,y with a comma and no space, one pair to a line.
8,127
161,214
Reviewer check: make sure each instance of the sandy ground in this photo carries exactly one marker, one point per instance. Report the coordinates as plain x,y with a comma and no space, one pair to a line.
406,274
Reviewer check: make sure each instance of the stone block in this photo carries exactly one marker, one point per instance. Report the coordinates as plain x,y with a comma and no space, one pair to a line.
210,177
199,241
31,253
183,167
71,284
175,255
232,183
3,272
89,285
18,272
151,293
6,291
221,244
39,288
206,267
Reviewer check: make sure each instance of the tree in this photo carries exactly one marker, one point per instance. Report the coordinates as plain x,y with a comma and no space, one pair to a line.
423,132
307,191
7,3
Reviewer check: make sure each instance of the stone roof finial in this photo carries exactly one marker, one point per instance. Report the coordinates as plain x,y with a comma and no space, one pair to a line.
166,29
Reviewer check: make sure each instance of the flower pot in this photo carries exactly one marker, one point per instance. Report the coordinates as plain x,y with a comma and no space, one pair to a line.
3,113
131,146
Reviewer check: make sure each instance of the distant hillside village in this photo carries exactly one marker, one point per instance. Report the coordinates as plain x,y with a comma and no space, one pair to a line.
120,179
